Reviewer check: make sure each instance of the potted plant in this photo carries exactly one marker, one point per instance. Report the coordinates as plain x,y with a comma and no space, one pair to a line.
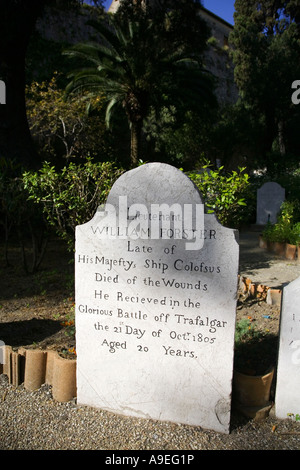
266,237
280,236
291,245
293,242
277,236
254,358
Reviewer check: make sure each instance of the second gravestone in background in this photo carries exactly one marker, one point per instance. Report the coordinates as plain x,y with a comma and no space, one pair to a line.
287,399
155,311
269,199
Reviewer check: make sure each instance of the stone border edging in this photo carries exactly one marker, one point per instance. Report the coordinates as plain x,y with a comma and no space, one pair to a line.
285,250
34,367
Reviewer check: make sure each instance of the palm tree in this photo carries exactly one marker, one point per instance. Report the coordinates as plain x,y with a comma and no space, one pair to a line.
133,67
17,21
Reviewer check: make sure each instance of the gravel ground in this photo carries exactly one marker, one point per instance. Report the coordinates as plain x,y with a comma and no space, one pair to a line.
34,421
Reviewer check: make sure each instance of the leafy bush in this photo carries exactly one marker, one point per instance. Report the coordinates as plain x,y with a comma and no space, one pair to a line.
287,227
224,194
70,197
63,127
279,232
295,234
244,331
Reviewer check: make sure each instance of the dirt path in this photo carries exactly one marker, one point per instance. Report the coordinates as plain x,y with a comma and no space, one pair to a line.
263,266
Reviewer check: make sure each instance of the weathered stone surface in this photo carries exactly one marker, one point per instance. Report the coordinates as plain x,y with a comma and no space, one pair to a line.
155,317
287,399
269,199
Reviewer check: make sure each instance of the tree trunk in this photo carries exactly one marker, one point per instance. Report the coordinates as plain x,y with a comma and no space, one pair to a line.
135,149
270,133
15,138
17,21
282,148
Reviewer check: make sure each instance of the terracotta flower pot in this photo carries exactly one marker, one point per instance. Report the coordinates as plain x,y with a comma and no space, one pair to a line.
279,248
252,390
262,242
290,251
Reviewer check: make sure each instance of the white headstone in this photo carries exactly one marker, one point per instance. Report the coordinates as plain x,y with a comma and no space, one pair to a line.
155,309
269,199
287,398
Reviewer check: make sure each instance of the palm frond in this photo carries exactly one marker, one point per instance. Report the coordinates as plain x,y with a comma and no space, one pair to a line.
133,68
111,105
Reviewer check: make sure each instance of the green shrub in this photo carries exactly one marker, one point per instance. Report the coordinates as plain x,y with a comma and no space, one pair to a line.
243,330
279,232
294,238
287,228
63,128
70,197
225,194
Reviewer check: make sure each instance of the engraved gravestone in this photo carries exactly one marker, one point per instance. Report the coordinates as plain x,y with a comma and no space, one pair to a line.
156,284
287,399
269,199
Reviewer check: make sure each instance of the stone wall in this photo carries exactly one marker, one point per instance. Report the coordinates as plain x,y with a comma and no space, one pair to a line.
217,58
65,26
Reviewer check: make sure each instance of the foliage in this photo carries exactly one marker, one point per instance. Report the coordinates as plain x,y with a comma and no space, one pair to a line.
225,194
244,331
287,212
62,127
21,221
255,351
163,70
70,197
173,136
290,180
265,31
294,238
43,59
235,137
266,55
287,227
279,232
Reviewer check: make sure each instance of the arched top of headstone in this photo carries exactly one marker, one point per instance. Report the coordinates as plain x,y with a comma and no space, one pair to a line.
271,186
155,183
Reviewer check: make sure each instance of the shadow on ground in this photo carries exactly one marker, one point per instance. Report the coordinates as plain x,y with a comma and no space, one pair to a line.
257,355
28,332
